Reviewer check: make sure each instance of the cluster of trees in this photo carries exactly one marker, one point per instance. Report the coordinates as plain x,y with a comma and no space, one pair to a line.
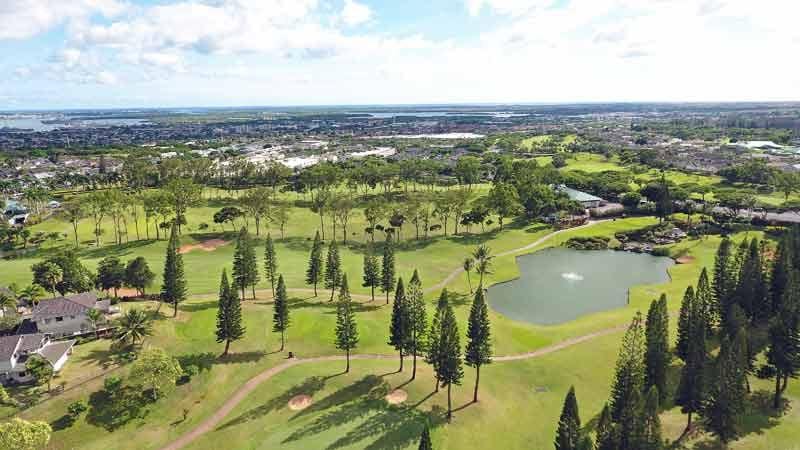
746,296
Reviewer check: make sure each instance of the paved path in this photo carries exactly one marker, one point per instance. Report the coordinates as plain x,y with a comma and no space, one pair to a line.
210,423
215,419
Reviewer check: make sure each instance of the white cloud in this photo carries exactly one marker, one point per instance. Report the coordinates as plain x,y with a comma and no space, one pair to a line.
355,13
506,7
106,77
20,19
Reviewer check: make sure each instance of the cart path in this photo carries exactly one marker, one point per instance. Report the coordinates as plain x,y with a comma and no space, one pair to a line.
210,423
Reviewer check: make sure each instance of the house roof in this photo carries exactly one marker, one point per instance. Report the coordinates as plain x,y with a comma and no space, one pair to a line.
55,350
64,306
8,346
577,195
31,342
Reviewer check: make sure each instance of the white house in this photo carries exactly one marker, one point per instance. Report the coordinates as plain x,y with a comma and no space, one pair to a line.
67,316
15,351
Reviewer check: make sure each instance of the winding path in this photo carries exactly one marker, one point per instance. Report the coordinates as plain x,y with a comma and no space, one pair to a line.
211,422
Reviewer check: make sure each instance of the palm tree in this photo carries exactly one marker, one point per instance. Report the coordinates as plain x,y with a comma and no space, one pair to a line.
134,326
94,316
8,301
469,264
483,261
32,294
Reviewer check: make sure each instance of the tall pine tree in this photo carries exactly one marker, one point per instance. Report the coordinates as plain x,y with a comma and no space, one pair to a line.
419,319
314,272
751,289
245,266
333,269
173,289
724,281
346,328
692,387
628,383
704,296
372,272
657,356
781,270
607,433
449,369
651,424
479,342
280,315
685,322
783,354
400,325
229,315
387,267
724,404
434,335
270,263
568,433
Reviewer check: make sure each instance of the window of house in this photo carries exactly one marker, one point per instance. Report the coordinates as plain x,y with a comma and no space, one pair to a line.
22,374
59,319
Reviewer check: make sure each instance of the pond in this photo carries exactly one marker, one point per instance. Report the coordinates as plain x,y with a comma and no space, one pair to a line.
557,285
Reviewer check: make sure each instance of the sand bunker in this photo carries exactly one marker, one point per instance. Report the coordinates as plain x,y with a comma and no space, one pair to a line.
208,246
685,260
396,397
299,402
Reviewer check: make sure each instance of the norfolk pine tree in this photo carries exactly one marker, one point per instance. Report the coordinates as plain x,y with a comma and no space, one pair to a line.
346,329
280,316
626,391
333,269
726,394
685,323
387,267
400,325
449,369
314,272
723,282
704,296
657,356
419,318
372,272
568,433
229,315
425,439
173,289
692,387
651,426
245,267
434,335
479,342
783,354
270,263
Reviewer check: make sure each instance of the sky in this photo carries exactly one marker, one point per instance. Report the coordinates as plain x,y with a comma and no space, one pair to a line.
57,54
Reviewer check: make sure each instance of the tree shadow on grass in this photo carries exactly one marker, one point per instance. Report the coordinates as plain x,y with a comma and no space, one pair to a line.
111,410
241,357
362,387
330,307
62,423
198,306
396,427
310,386
117,250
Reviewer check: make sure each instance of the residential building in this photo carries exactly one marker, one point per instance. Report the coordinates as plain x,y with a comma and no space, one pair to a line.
16,350
67,316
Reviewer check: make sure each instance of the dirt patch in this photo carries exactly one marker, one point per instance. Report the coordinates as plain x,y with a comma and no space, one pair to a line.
685,260
300,402
127,292
208,246
396,397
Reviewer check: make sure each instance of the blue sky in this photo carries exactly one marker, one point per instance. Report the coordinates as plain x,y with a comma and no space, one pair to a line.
150,53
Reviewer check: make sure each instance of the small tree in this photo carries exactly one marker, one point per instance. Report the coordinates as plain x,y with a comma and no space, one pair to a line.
229,315
47,275
138,275
468,265
314,273
40,369
20,434
133,326
372,272
173,289
651,427
270,263
155,371
479,344
387,267
333,269
346,328
94,316
280,316
110,274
